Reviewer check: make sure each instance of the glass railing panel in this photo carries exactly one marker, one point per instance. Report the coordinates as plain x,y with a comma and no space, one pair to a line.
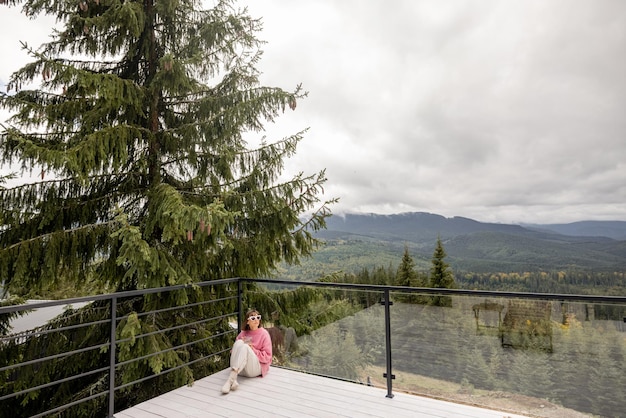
527,355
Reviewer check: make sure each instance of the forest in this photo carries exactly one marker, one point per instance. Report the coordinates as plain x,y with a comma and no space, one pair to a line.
565,282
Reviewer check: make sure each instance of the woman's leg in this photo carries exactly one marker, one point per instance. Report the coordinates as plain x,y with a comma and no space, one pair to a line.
237,360
239,355
252,367
244,361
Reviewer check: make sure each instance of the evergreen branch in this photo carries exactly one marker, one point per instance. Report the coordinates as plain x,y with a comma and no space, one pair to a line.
287,142
51,234
314,219
67,180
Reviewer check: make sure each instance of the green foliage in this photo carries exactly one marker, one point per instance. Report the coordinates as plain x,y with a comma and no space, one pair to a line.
476,246
568,281
349,257
305,309
479,254
492,251
564,281
345,347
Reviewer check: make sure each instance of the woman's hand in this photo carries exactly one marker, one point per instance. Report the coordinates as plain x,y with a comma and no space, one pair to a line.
248,341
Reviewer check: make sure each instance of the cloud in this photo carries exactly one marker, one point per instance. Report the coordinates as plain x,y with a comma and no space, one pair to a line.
497,110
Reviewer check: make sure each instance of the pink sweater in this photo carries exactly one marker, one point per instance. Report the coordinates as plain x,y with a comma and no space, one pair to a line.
261,345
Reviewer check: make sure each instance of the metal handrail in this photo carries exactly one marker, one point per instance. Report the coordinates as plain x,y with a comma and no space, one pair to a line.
114,320
119,295
451,292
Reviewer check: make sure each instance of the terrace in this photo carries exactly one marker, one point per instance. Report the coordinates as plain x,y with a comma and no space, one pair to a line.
400,352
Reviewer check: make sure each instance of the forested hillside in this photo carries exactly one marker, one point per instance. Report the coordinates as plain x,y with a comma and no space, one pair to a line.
355,242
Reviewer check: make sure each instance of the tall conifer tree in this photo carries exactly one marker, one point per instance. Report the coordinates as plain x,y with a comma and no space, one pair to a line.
406,274
137,125
138,131
441,276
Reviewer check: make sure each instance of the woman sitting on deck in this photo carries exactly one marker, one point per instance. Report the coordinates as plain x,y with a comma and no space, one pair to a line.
251,355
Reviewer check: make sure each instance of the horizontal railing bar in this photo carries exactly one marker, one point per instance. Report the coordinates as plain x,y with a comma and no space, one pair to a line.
173,308
123,363
119,295
50,331
160,331
54,356
68,405
143,379
56,382
444,291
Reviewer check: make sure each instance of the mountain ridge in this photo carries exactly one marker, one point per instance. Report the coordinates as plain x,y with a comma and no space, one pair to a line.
356,239
429,224
610,229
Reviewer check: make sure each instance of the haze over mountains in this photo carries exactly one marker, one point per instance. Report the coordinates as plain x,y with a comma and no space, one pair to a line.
473,245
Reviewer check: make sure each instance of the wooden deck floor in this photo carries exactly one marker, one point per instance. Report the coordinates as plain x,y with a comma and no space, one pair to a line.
286,393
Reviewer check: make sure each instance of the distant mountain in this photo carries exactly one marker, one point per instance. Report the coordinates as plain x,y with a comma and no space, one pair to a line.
610,229
415,226
357,240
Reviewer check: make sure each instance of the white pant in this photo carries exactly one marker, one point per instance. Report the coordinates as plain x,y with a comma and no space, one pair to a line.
244,361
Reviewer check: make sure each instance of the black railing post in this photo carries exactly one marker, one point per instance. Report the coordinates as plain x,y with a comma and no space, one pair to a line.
387,303
112,357
239,305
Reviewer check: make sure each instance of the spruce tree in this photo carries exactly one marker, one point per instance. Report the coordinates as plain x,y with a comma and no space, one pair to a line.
406,274
138,131
441,276
137,116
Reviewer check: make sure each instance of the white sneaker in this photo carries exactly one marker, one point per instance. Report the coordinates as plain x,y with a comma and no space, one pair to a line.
226,387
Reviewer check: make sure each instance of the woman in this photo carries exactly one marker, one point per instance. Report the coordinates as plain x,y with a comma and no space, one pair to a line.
251,355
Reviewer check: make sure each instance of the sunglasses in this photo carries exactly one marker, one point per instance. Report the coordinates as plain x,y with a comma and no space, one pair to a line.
254,317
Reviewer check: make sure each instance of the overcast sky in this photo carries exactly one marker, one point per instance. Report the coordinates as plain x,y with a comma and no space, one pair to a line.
497,110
